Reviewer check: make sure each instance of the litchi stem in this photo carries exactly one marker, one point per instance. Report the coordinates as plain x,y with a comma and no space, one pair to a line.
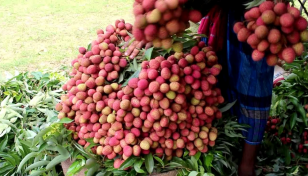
303,7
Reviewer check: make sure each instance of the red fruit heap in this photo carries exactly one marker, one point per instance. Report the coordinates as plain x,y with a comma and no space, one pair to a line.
103,61
271,126
302,148
170,106
158,20
274,31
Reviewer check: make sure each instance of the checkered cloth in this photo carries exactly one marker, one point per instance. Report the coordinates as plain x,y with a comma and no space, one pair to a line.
247,81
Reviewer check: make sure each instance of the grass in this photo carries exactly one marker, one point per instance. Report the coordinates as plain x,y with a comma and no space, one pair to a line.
36,34
45,34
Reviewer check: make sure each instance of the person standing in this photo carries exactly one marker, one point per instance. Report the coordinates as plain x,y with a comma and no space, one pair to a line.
248,82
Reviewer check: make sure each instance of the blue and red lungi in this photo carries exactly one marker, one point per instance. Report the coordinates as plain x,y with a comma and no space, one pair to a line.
244,80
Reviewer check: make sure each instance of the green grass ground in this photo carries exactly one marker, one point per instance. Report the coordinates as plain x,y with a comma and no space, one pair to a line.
43,34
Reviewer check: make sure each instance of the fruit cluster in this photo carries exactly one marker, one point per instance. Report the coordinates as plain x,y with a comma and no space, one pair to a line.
158,20
271,125
170,106
273,31
302,148
103,62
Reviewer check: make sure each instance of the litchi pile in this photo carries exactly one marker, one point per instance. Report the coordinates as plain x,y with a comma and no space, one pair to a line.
275,31
158,20
169,107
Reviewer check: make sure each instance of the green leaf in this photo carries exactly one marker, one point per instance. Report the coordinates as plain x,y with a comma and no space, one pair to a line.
74,168
149,163
104,173
197,155
227,107
92,170
193,173
195,163
37,164
40,135
25,159
159,160
179,161
3,143
293,119
89,47
135,64
148,53
137,166
287,155
37,75
135,75
65,120
302,113
127,163
56,160
189,44
208,160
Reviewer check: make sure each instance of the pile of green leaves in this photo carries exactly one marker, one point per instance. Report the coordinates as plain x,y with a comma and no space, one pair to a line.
32,140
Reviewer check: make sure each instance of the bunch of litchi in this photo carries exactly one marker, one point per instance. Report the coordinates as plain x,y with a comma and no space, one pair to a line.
169,107
92,82
274,31
158,20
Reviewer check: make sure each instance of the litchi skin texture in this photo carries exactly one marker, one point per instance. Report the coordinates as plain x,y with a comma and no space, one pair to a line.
288,54
257,55
243,34
238,26
286,20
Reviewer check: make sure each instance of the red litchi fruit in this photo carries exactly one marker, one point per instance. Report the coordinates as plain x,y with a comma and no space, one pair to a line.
150,30
261,31
275,48
148,5
286,20
274,36
294,37
194,16
243,34
253,40
138,34
298,48
263,45
238,26
301,23
287,30
288,54
153,16
304,36
271,59
254,13
172,4
257,55
173,26
260,22
268,17
266,5
194,50
161,6
294,12
162,33
280,8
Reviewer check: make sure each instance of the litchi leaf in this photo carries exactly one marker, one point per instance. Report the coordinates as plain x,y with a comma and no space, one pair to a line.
89,47
149,163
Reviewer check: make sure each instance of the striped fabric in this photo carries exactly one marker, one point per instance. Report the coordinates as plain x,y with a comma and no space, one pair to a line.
247,81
